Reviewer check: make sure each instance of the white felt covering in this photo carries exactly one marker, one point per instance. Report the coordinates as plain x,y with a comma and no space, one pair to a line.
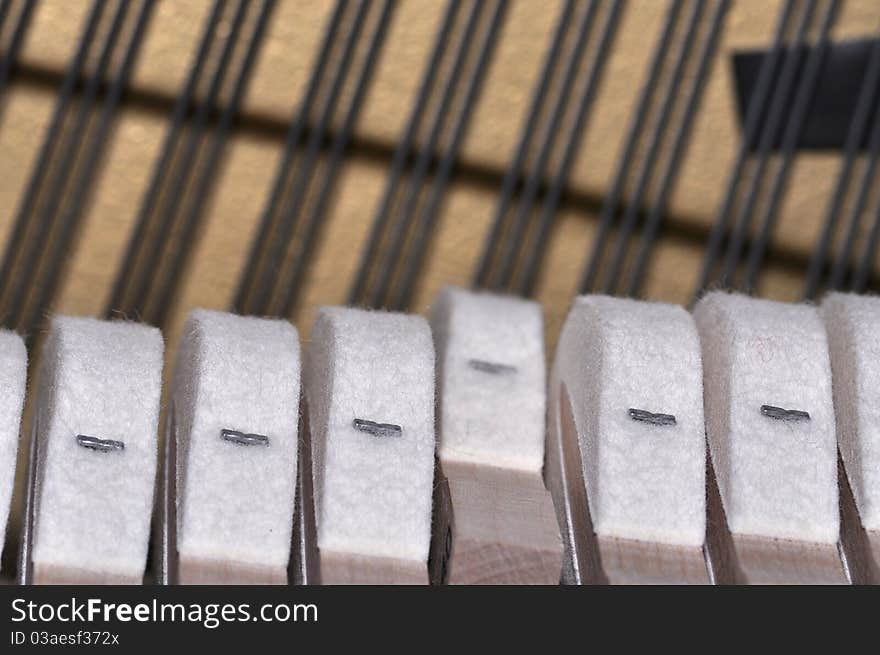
372,494
236,502
93,509
13,378
644,482
486,418
853,324
776,478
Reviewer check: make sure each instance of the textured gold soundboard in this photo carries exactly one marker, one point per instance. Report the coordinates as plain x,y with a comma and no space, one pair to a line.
280,75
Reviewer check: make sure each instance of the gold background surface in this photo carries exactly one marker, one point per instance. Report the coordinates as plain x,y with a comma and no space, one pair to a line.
280,76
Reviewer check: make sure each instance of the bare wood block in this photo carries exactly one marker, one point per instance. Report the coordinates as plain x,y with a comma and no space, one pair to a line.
486,562
491,373
347,569
199,571
627,561
631,497
49,574
505,529
773,561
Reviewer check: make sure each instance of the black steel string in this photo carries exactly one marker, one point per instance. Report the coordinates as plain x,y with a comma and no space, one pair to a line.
72,210
207,174
612,199
869,254
842,262
778,111
861,275
165,162
16,244
10,56
250,275
649,158
398,231
858,129
519,220
180,176
776,193
402,152
793,129
425,221
652,223
572,140
40,219
755,111
5,6
290,293
515,169
272,261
